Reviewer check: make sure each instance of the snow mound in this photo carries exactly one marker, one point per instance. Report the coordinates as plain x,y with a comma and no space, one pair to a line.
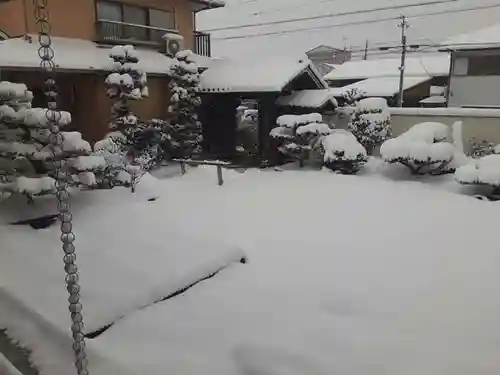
292,121
485,171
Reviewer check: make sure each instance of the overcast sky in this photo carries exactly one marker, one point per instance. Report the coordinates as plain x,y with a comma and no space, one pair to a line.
425,29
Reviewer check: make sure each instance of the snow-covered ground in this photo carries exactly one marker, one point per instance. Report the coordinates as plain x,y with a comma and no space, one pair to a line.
346,275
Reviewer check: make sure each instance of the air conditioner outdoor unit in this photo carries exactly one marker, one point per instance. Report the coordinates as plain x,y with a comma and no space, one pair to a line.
173,43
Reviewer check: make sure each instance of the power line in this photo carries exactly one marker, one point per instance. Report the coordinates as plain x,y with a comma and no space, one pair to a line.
330,15
365,22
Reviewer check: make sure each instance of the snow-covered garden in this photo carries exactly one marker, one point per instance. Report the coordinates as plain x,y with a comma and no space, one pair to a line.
343,274
366,254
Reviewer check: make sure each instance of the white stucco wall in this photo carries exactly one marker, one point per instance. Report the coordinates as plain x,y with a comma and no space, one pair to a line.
474,91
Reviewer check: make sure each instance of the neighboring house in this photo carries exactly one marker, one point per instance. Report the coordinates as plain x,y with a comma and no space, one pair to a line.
380,77
475,68
83,32
325,58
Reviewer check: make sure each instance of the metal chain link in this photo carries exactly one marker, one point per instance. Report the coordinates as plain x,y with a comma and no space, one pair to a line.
53,115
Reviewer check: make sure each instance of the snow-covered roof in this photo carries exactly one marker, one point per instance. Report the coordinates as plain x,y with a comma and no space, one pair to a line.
211,3
437,99
307,99
433,66
322,48
485,38
381,86
74,54
256,75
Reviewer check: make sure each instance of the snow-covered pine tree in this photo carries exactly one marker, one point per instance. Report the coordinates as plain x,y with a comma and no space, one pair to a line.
299,136
131,141
186,131
27,158
371,123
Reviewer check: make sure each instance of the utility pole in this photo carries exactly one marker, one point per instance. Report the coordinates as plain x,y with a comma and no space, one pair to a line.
403,25
365,57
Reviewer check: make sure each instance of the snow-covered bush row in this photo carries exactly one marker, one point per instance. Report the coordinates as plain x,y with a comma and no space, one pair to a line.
343,153
423,148
185,128
28,159
299,137
371,122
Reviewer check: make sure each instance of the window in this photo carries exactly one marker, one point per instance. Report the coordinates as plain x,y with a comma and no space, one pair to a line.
109,11
162,20
460,66
135,16
486,65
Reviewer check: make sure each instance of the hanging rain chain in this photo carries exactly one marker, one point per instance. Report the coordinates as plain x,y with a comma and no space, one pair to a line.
53,115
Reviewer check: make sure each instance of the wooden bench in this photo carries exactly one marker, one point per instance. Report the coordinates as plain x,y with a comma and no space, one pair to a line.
217,163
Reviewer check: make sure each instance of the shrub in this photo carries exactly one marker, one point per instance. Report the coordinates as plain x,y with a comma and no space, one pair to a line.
343,153
484,171
424,149
371,123
299,135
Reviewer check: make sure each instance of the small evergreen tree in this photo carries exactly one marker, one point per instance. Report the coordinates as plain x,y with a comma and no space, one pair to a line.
186,131
27,156
371,123
299,137
343,153
131,142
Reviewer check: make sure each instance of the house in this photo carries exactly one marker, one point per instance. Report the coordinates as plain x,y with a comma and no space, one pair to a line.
325,58
381,77
83,32
475,68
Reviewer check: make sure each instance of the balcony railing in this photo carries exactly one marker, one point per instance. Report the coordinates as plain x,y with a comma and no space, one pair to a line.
122,32
114,32
202,43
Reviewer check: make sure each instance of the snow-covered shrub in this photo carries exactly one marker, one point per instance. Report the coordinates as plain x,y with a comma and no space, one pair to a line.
28,160
479,149
424,148
484,171
299,135
371,123
343,152
184,87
